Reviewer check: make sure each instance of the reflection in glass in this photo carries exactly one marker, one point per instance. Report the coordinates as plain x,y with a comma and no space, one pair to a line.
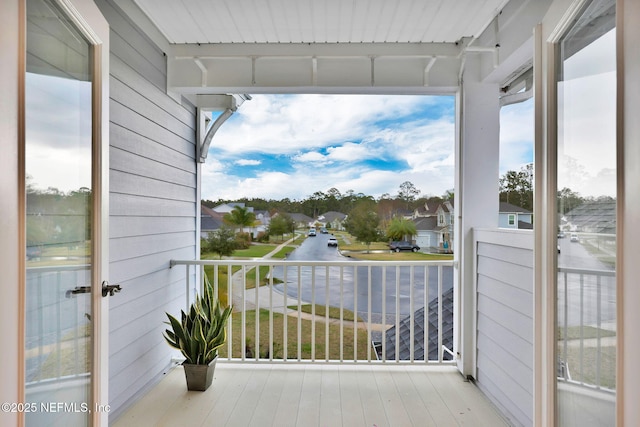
586,287
58,164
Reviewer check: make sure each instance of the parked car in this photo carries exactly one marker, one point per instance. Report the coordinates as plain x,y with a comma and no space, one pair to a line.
324,230
332,241
33,252
403,246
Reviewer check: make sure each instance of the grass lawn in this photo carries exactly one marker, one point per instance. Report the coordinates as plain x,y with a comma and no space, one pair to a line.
254,251
573,332
292,333
282,254
299,237
264,279
334,312
589,365
358,246
590,354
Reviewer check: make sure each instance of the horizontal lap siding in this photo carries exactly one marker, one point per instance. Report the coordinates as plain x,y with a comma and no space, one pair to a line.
152,202
505,327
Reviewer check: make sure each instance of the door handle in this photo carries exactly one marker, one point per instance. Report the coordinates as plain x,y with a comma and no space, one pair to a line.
110,290
107,290
78,290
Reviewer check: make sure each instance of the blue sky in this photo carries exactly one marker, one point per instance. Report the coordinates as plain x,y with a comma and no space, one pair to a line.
278,146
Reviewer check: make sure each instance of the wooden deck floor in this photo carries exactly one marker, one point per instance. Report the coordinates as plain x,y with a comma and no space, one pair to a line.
316,395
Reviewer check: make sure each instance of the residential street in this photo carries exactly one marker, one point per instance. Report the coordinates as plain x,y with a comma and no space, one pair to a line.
333,282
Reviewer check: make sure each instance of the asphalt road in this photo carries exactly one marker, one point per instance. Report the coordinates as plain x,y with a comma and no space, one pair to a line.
351,284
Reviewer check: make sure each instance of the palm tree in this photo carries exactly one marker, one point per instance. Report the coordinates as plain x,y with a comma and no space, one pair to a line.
399,228
240,216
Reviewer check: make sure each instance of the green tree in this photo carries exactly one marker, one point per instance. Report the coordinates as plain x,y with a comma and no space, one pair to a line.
363,222
401,229
517,187
568,200
221,242
408,193
281,224
241,217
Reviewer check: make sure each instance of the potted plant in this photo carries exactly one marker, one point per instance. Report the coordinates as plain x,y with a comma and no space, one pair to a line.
198,335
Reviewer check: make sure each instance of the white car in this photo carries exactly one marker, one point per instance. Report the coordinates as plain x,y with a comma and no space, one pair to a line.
332,242
574,237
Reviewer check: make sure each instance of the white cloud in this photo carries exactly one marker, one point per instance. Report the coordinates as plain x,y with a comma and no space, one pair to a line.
351,151
335,141
309,157
248,162
281,124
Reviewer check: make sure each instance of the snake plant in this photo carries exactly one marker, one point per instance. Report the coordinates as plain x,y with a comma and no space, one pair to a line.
202,331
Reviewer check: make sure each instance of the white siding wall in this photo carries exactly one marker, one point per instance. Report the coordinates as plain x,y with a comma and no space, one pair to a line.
504,272
152,208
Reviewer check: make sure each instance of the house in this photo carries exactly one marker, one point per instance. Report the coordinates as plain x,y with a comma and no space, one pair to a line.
332,220
422,211
116,97
228,207
301,220
512,216
436,230
593,216
264,217
427,235
210,221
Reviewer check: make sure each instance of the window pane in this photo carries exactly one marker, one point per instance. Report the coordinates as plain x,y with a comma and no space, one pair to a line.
586,289
58,165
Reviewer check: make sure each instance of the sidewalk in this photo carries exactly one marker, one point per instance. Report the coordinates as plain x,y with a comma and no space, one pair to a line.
280,304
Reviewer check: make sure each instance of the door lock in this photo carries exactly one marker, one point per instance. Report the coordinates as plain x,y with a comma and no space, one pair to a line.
110,290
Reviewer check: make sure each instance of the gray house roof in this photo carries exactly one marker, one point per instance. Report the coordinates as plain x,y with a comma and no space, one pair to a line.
300,218
426,223
509,208
597,216
404,341
210,220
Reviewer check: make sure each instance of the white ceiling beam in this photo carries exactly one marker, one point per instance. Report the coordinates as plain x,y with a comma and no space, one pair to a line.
313,68
215,102
327,50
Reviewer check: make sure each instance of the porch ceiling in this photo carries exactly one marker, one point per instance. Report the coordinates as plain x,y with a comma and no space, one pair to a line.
325,21
310,46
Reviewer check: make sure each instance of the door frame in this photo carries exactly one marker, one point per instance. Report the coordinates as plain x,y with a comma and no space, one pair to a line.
88,18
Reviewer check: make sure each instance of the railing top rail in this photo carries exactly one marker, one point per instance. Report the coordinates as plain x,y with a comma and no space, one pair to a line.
595,272
58,268
274,262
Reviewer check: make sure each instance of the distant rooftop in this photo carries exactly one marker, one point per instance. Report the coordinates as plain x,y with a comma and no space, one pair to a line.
404,341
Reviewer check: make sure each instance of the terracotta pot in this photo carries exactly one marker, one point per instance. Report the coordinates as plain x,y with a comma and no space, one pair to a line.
199,377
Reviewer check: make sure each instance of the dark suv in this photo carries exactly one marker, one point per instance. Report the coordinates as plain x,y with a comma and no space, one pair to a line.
403,246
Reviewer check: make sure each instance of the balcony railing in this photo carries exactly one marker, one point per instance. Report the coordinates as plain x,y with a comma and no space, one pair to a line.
316,311
586,328
57,323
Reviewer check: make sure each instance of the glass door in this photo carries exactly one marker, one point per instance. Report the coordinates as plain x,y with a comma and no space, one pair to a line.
60,226
587,192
